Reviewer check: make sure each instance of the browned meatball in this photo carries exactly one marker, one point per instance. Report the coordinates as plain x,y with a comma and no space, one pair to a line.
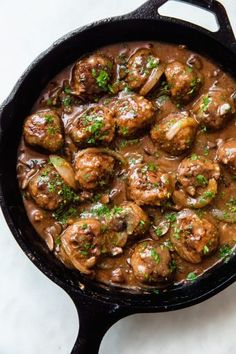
214,109
92,75
44,129
48,189
129,217
151,262
140,66
184,81
198,178
226,154
92,126
196,171
93,168
82,242
132,113
193,238
175,133
147,185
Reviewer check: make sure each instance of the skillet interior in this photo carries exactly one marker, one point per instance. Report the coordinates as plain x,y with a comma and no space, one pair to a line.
19,105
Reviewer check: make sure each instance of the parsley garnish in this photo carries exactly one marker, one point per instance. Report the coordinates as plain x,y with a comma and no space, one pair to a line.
191,276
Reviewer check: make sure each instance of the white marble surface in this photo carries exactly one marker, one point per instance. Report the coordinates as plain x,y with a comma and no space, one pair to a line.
35,315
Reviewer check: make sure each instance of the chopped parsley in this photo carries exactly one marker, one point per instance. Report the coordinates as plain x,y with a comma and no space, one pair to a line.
159,231
201,180
225,252
142,223
48,119
102,78
205,250
171,217
232,204
191,276
67,90
156,257
205,103
152,63
67,101
62,215
124,130
194,157
194,86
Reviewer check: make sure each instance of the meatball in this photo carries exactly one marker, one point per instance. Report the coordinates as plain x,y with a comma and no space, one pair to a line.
147,185
132,113
82,242
44,129
151,263
92,75
196,171
129,217
140,66
49,190
193,238
198,178
175,133
226,154
214,109
92,126
184,81
93,168
124,223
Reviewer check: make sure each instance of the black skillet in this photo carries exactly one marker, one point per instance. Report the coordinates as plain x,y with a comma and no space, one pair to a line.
99,307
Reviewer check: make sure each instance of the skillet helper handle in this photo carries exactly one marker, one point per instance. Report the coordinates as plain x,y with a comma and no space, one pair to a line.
225,33
95,319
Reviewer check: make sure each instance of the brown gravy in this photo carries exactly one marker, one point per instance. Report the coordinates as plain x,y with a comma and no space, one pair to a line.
141,145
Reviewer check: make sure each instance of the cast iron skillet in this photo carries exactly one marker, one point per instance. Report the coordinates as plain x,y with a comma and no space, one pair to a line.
99,307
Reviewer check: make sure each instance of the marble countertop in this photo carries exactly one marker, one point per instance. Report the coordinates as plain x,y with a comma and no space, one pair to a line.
36,316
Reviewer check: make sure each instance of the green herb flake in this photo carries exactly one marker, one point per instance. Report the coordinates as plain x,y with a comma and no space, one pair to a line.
225,252
48,119
205,103
152,62
194,157
58,241
67,101
205,250
191,276
142,223
67,90
159,231
155,255
201,180
102,78
171,217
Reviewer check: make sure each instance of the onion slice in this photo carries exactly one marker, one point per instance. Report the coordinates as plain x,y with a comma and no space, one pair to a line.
107,151
180,124
209,193
152,80
64,169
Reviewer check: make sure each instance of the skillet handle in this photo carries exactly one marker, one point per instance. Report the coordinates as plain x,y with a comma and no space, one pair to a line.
224,34
95,318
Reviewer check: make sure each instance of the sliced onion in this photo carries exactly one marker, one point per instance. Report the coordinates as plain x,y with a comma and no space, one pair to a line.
180,124
221,215
152,80
64,169
107,151
182,199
